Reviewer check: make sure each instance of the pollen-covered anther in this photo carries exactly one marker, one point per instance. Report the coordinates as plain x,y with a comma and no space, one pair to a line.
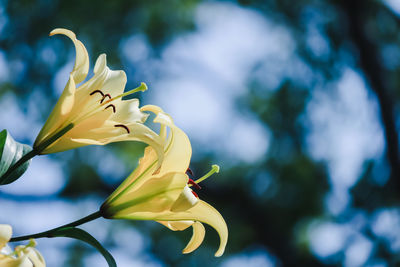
123,126
97,91
189,171
104,97
197,186
195,194
111,105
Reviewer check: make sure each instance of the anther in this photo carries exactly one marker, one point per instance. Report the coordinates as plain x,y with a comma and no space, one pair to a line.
123,126
189,171
104,97
111,105
194,184
97,91
195,194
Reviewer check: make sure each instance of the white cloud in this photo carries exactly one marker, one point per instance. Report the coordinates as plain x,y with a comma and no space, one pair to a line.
202,74
358,252
327,238
386,224
257,258
345,130
394,5
43,177
21,125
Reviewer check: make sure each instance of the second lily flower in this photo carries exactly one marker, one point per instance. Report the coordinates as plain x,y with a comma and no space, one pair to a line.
164,194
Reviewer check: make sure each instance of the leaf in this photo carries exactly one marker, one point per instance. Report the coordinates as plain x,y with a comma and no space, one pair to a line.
10,152
77,233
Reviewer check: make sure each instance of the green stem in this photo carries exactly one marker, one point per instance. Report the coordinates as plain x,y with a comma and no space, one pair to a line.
53,138
34,152
25,158
48,233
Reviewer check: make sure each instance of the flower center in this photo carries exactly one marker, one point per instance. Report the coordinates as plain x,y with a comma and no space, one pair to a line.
105,101
195,184
191,182
104,96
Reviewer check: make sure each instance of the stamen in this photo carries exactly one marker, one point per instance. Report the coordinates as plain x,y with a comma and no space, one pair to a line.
214,169
141,88
111,105
194,184
104,97
190,172
97,91
123,126
195,194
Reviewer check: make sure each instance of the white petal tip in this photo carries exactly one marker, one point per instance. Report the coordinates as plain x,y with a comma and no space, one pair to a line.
5,230
218,254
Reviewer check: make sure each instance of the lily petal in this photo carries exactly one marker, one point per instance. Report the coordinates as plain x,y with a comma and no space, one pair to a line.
177,157
198,233
197,238
157,195
176,152
128,111
5,234
177,225
36,258
202,212
60,112
81,67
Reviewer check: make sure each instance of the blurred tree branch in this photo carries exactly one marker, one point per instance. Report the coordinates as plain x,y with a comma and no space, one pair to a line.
370,65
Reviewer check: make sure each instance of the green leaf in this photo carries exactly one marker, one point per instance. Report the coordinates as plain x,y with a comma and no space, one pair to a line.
10,152
77,233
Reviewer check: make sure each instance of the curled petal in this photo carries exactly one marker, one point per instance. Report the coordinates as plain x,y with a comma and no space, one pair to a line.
202,212
81,67
197,238
198,232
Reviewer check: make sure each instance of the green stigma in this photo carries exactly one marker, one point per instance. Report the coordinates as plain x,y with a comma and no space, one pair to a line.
214,169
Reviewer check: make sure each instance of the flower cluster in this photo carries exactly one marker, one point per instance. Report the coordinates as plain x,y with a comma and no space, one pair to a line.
22,256
93,112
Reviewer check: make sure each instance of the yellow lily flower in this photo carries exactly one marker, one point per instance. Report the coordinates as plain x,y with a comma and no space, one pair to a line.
94,113
163,194
22,256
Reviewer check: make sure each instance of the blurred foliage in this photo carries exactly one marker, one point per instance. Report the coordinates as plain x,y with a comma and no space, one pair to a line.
274,217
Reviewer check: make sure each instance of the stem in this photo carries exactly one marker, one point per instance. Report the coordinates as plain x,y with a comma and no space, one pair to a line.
53,138
21,161
49,233
34,152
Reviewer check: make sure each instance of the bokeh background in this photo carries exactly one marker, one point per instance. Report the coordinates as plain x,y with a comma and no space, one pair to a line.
297,101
